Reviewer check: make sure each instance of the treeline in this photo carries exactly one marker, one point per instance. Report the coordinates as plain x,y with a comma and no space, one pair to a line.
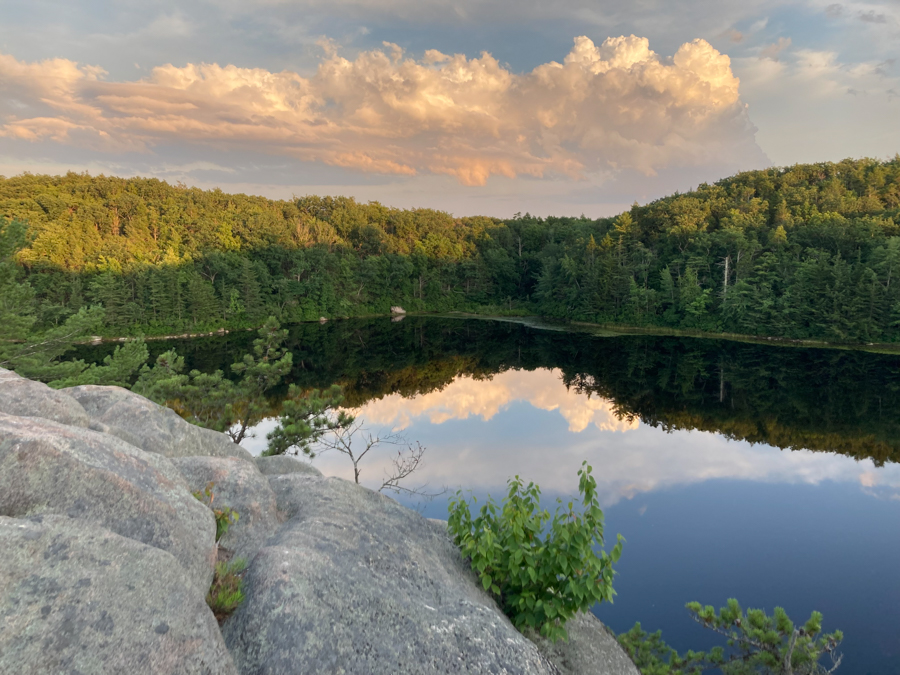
810,251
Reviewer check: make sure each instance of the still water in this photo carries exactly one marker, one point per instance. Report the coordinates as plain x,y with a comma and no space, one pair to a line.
765,473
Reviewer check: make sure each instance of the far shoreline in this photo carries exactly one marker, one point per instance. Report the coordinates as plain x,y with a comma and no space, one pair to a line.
541,323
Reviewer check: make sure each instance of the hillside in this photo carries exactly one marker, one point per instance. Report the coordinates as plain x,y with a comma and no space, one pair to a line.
809,251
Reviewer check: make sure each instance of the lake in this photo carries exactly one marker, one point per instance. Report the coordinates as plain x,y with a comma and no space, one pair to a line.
765,473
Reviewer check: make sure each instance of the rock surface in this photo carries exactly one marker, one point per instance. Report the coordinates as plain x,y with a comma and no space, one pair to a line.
592,649
19,396
149,426
240,486
355,583
75,598
46,467
281,464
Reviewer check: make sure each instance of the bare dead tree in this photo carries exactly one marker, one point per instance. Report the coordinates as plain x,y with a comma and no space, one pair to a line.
356,441
404,464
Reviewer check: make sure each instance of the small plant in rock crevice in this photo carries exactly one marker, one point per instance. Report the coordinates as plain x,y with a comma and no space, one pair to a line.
226,594
225,516
541,570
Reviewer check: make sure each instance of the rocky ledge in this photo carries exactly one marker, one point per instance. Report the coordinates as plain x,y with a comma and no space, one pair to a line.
108,557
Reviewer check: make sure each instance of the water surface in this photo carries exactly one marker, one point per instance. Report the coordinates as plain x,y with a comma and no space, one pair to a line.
759,472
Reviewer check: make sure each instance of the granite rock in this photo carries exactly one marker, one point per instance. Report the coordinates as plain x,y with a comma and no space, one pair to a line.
277,465
238,485
90,477
76,598
592,649
20,396
150,426
355,583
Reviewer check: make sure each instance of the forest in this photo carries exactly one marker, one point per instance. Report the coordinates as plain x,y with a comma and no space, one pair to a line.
803,252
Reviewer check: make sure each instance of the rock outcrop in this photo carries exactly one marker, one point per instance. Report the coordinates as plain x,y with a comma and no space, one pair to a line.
52,468
281,464
19,396
150,426
353,582
108,557
240,486
592,648
77,598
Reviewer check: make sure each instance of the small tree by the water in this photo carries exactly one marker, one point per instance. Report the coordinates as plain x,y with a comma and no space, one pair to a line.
757,644
214,401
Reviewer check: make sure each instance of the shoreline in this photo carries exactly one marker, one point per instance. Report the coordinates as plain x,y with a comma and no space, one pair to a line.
537,322
619,330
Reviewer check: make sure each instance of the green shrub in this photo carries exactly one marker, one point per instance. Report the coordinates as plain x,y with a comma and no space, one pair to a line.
225,594
758,644
541,576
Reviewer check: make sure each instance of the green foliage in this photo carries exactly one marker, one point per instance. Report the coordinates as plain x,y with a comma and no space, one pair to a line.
305,418
541,569
807,252
118,369
16,296
757,644
226,594
225,516
210,399
653,656
204,399
37,354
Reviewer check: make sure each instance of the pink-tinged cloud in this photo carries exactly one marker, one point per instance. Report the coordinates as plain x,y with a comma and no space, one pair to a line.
615,106
467,397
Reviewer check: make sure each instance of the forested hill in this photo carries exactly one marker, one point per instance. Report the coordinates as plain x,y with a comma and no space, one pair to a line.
810,251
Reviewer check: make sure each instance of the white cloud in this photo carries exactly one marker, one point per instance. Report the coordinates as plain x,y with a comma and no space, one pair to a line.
812,106
617,105
466,397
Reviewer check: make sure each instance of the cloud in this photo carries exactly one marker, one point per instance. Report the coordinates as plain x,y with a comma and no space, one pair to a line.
872,17
467,397
613,106
824,92
773,50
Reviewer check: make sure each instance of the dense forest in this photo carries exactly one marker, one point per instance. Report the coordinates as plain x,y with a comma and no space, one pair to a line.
803,252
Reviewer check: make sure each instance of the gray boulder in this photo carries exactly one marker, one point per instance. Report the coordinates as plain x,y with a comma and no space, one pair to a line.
356,583
238,485
19,396
277,465
149,426
592,649
46,467
75,598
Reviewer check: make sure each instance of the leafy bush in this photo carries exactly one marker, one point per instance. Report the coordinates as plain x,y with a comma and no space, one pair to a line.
541,576
225,594
758,644
224,516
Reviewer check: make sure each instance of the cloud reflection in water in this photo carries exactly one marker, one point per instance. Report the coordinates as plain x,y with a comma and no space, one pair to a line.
481,432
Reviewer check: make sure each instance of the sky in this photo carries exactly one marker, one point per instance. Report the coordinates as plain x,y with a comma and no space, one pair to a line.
471,107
